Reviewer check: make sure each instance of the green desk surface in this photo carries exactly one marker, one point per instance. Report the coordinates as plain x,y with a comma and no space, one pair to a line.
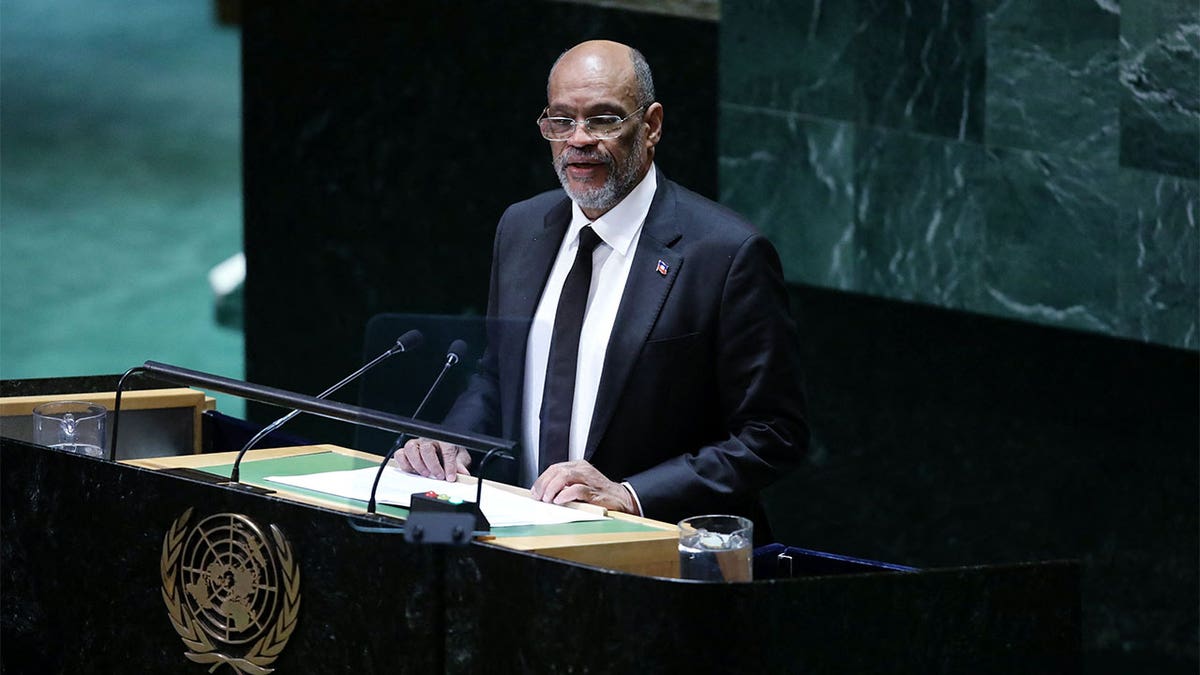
255,472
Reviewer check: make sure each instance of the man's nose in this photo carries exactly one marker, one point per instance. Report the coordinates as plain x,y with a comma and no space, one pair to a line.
580,137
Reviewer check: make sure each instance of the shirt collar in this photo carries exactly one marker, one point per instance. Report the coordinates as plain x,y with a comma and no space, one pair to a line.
619,226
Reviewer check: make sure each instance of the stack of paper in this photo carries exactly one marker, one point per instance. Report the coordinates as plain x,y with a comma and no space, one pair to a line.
502,508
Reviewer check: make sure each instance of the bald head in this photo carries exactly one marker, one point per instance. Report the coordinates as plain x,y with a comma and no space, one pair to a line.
605,56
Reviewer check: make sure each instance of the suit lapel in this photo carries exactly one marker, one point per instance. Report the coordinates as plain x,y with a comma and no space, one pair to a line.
645,293
534,257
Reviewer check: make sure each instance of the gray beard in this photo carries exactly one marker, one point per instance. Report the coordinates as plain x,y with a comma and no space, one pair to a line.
621,180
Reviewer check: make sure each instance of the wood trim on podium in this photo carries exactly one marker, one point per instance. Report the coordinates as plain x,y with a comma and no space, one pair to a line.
137,399
650,553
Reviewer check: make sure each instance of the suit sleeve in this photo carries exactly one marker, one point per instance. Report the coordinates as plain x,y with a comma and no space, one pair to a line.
477,409
760,398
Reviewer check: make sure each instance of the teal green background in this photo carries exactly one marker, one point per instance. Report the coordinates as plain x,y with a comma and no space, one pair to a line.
1027,160
120,186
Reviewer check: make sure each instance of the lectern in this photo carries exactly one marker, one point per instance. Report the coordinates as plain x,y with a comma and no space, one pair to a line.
118,566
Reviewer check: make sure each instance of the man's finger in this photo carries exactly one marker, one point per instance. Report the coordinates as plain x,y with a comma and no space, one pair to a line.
557,480
431,456
578,492
401,460
450,462
412,455
538,489
462,460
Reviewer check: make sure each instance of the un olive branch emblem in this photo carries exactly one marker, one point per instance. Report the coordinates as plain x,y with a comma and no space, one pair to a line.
225,584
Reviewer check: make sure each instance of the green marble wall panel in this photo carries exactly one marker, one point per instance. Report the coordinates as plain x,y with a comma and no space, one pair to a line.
1158,274
919,217
793,177
1051,240
1043,54
919,66
791,56
1020,158
1160,79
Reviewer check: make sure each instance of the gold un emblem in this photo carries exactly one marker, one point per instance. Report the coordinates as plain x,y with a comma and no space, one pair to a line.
232,593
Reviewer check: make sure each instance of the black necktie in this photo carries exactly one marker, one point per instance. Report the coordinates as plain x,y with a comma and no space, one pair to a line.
558,396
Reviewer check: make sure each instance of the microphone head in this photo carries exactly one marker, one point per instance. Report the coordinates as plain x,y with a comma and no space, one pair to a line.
455,351
409,341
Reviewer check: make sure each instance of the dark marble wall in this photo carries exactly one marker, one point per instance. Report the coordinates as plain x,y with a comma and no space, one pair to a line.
989,213
1022,159
382,142
947,437
1008,159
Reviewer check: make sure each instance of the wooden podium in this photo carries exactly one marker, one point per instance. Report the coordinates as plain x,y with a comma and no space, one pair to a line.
116,566
625,543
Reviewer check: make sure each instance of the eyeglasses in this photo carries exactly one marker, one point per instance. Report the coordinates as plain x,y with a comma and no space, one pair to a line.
599,127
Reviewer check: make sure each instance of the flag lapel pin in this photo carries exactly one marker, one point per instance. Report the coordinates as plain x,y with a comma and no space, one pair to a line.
662,268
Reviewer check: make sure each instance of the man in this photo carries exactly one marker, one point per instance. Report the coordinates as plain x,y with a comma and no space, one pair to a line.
677,392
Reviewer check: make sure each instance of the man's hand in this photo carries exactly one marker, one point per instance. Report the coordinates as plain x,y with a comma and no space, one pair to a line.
433,459
580,481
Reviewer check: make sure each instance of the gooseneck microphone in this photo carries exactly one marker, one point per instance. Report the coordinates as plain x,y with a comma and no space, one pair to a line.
453,356
405,343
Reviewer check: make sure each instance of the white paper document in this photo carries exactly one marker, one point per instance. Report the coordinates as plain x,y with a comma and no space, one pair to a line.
502,508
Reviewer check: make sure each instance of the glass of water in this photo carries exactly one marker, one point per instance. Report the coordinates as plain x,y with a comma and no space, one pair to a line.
715,548
74,426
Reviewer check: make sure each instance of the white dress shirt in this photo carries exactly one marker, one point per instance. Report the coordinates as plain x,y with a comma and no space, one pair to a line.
619,229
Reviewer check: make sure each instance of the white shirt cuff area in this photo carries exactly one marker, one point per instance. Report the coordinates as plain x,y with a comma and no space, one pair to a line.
637,503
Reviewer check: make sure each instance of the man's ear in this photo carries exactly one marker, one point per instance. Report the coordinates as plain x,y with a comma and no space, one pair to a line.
653,121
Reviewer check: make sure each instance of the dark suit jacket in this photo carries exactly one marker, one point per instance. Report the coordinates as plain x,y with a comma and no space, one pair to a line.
700,402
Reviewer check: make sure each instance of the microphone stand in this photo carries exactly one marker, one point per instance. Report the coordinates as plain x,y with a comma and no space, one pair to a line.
481,521
451,359
412,336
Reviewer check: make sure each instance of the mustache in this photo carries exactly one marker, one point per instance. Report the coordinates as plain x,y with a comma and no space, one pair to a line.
571,155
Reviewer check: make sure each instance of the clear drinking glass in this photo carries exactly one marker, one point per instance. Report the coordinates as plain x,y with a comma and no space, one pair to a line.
74,426
715,548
